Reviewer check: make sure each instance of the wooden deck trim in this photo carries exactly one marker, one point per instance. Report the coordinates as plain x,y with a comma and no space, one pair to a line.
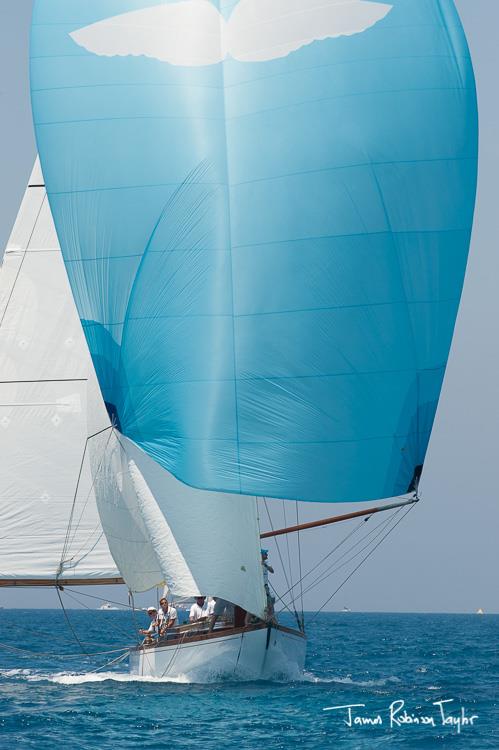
185,639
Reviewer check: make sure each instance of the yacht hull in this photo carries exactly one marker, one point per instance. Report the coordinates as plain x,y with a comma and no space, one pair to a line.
250,653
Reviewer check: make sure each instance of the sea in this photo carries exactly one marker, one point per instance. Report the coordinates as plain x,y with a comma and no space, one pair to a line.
418,681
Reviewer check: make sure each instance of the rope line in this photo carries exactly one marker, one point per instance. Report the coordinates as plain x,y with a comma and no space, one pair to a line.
282,562
334,567
25,252
287,541
323,560
362,561
285,606
42,654
99,598
109,663
75,599
75,634
69,542
298,544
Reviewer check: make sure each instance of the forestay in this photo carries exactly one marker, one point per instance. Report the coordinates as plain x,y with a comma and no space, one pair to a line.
265,211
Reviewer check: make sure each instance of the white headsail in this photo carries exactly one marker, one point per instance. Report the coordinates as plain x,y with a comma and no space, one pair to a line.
196,541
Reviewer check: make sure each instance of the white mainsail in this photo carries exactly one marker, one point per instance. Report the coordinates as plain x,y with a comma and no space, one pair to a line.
49,403
77,499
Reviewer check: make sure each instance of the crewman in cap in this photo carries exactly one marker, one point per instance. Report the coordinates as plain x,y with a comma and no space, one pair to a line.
152,630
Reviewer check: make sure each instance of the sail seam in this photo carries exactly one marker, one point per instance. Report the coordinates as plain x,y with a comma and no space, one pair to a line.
304,69
289,311
229,238
331,168
204,118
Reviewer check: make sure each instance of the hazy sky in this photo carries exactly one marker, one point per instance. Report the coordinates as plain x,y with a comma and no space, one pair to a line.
445,555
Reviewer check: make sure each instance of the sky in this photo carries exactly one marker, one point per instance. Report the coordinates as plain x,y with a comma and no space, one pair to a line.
444,557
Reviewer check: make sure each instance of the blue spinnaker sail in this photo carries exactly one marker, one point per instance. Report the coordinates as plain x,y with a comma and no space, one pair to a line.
265,210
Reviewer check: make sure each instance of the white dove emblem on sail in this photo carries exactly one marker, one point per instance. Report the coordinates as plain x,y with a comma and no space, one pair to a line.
193,32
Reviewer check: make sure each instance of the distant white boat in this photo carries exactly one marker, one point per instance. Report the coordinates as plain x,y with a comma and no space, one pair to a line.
108,606
346,609
480,611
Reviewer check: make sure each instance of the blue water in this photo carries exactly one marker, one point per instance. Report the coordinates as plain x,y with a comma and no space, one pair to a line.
53,700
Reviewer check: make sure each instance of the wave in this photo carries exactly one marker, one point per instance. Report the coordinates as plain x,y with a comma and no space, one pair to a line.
80,678
70,678
309,677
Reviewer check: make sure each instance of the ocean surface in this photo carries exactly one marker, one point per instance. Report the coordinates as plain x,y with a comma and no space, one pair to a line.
52,695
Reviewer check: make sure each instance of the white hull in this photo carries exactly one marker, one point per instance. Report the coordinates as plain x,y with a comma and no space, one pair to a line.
247,654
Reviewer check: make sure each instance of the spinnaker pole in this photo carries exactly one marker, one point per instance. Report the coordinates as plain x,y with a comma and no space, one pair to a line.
337,519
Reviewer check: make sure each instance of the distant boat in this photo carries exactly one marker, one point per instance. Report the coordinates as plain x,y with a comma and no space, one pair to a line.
480,611
346,609
107,606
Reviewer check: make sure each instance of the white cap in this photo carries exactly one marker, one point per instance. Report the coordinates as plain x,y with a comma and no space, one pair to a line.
152,609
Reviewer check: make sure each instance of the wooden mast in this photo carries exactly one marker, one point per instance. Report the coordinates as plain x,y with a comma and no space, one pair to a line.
337,519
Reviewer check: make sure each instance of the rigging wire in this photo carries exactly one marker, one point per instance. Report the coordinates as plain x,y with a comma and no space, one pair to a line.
285,605
109,663
69,621
75,599
331,568
99,598
25,252
276,542
43,654
282,562
334,567
336,564
331,552
362,562
300,569
131,604
67,541
91,549
287,541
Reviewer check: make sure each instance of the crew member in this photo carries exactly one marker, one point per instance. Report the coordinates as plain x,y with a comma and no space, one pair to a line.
266,568
153,628
197,612
167,616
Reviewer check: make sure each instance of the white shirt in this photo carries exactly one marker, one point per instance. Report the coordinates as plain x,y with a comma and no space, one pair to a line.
163,617
152,626
210,607
196,612
265,573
